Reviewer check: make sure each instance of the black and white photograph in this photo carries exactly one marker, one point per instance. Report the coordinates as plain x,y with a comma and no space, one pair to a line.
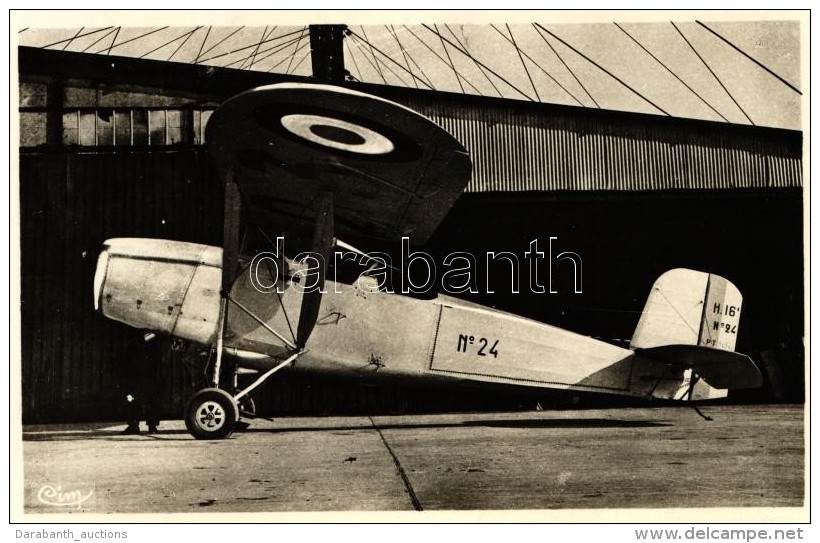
305,263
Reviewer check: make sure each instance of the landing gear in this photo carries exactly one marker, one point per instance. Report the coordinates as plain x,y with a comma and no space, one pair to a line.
247,408
211,414
214,413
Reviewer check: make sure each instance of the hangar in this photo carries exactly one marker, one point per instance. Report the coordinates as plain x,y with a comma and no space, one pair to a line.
113,146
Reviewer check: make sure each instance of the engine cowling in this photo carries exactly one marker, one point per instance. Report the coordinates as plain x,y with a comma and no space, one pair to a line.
167,286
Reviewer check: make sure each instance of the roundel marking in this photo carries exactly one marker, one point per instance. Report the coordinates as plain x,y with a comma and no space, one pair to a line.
337,134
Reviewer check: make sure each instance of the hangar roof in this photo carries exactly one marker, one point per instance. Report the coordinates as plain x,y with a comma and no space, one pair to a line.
515,145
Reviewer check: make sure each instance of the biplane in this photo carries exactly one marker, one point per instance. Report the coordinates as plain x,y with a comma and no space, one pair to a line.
343,164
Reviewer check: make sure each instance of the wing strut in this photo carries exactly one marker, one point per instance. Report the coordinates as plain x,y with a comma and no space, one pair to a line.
230,253
322,243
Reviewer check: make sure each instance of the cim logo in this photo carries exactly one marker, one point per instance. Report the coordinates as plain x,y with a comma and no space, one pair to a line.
60,497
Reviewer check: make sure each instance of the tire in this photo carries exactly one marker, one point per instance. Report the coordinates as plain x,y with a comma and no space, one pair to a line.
211,414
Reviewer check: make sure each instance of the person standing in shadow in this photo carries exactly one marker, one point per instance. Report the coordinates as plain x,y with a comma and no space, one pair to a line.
142,402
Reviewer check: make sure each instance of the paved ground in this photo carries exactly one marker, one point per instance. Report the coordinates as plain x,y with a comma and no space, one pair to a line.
616,458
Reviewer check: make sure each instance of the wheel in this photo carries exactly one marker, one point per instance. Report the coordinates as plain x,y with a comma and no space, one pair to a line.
211,414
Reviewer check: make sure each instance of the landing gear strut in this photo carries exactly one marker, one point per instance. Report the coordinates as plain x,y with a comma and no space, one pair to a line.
213,413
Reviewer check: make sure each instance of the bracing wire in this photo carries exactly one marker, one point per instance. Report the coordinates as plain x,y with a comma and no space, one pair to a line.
353,58
135,38
183,43
295,49
692,47
387,67
403,52
113,41
275,48
251,46
524,94
524,64
166,44
208,33
408,64
113,29
296,67
220,42
73,38
250,58
363,46
76,36
437,55
607,72
745,54
270,51
480,69
370,45
256,57
287,57
528,57
388,57
449,59
433,51
429,83
575,77
356,41
659,61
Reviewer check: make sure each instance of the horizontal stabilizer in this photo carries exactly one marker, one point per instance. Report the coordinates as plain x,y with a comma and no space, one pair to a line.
720,369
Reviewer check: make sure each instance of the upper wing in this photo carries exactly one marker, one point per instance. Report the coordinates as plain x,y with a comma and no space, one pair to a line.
392,172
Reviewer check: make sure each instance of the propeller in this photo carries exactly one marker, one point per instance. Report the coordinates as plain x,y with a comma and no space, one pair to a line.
322,243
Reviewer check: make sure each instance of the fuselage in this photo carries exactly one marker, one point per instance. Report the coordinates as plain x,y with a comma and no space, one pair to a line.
173,287
363,331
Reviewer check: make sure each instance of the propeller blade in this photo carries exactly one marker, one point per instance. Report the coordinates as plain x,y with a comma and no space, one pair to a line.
230,232
322,243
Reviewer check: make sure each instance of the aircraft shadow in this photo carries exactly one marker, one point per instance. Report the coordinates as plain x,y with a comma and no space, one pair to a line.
116,435
567,423
496,423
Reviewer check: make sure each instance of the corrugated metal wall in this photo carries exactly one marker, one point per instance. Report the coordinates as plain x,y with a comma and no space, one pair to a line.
518,150
74,360
71,203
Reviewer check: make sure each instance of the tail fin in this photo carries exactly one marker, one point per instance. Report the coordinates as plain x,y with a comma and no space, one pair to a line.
688,319
688,307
